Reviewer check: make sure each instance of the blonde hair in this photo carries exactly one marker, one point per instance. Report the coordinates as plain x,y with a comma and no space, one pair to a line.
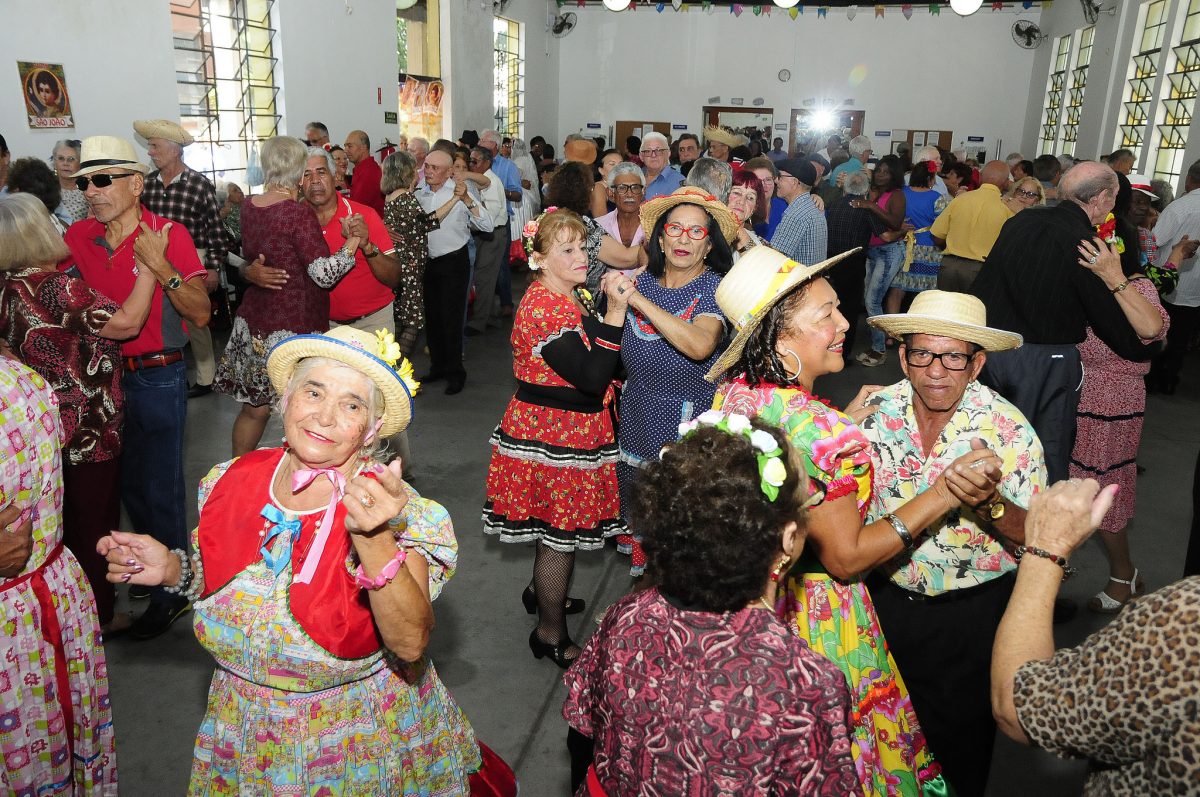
1026,181
27,236
552,224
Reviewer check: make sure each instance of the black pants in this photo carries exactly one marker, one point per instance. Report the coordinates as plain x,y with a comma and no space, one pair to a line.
1164,371
445,283
943,650
1043,381
1191,565
847,281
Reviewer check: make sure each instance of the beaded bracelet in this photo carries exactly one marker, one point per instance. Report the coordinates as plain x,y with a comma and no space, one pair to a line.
1068,571
191,577
901,531
385,576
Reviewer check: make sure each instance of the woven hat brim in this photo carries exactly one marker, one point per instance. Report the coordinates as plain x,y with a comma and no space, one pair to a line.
796,278
397,402
990,339
655,208
149,129
724,137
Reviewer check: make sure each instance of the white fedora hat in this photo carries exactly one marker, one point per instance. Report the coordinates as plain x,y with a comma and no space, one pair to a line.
108,152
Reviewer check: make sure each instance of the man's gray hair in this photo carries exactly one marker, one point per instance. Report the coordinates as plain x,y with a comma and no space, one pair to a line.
1013,158
315,152
927,153
856,184
714,176
423,143
655,136
859,146
282,159
1087,181
622,168
490,135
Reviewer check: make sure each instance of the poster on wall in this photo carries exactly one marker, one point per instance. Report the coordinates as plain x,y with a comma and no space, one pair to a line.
421,107
44,88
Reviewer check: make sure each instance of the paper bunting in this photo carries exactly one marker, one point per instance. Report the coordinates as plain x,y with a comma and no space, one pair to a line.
878,12
757,11
1027,4
906,10
675,4
581,3
851,11
659,8
794,12
766,11
822,12
736,9
998,6
935,10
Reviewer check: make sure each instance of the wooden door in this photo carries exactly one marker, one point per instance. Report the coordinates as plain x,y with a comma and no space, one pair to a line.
625,129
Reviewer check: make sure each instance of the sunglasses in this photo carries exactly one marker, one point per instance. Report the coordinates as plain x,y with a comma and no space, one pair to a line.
99,180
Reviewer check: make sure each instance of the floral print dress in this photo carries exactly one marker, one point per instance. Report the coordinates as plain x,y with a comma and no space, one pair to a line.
837,618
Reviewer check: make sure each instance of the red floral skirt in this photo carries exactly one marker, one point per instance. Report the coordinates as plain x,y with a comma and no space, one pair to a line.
553,478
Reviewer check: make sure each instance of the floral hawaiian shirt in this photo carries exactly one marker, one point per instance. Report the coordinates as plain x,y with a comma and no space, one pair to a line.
964,552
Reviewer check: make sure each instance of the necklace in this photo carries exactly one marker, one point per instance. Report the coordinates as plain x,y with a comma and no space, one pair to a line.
765,605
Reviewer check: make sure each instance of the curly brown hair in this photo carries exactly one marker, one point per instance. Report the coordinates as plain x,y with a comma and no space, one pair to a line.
709,532
571,187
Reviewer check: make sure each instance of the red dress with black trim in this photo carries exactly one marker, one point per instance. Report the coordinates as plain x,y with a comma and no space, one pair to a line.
552,475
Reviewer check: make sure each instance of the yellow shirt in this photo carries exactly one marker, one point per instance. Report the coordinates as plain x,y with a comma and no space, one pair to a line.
970,223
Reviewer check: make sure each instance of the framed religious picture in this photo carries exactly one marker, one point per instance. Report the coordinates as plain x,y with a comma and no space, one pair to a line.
44,88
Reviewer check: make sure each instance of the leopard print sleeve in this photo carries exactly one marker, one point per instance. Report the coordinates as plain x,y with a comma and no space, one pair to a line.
1126,697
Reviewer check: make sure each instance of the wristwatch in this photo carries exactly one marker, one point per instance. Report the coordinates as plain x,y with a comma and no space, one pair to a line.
174,283
993,509
369,253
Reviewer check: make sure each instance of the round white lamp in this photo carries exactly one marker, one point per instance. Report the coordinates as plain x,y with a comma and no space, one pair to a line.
965,8
621,5
786,3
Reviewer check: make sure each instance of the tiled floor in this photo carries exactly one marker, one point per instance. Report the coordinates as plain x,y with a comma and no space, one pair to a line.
479,645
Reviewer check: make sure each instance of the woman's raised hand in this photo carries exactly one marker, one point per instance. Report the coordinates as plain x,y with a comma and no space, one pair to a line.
1065,515
1103,260
858,409
1185,249
374,497
138,559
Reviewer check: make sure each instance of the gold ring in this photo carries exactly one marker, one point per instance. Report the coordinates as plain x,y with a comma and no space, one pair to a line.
367,501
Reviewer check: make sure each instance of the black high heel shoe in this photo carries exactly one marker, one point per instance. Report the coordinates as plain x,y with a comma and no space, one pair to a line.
570,606
557,653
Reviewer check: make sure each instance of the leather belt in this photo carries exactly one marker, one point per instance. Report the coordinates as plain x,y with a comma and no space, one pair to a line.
143,361
349,321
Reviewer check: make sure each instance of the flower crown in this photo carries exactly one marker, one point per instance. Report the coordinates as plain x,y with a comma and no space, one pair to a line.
772,472
530,230
388,350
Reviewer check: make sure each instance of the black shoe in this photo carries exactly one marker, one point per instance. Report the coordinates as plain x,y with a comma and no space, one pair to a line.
137,592
472,332
571,606
198,390
1064,611
455,387
557,653
431,377
157,618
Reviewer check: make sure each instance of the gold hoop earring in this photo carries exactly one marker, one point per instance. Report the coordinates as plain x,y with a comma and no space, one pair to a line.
780,568
799,365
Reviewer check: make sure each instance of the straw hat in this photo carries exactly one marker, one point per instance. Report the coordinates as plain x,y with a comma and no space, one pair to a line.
723,136
108,152
162,128
758,281
690,195
949,315
373,355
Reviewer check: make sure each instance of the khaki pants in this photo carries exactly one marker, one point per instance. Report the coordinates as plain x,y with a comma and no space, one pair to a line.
383,319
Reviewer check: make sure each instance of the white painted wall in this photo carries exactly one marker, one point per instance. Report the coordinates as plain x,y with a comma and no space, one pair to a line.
333,65
111,78
935,73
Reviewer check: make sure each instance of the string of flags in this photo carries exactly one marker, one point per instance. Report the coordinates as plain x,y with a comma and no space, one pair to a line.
737,9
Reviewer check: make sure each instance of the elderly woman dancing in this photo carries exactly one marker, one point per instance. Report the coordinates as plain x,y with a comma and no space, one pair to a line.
719,538
312,580
56,732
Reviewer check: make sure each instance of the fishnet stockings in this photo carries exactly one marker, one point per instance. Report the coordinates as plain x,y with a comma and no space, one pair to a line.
551,576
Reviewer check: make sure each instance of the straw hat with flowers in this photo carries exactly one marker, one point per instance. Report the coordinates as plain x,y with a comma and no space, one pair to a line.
378,356
690,195
758,281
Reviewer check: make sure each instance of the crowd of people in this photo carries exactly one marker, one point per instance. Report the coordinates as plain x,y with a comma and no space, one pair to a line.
823,600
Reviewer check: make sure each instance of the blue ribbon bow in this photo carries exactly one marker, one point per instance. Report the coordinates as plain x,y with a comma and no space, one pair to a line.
281,526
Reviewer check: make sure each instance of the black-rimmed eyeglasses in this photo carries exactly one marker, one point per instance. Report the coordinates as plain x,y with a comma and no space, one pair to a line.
99,180
628,189
950,360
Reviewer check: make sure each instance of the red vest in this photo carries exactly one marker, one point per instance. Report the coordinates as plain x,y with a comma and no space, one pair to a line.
333,610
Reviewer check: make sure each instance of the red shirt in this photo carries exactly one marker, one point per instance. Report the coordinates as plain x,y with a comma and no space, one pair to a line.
359,293
111,272
364,187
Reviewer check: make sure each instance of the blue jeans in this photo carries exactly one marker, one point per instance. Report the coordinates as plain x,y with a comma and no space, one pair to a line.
152,457
883,263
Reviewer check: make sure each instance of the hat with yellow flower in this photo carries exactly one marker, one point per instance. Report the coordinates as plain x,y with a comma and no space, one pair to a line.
375,355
